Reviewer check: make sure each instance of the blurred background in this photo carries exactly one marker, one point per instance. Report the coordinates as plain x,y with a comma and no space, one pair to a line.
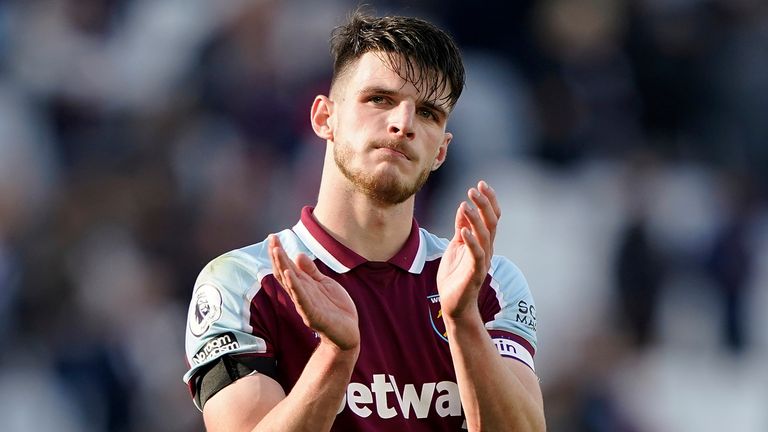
627,139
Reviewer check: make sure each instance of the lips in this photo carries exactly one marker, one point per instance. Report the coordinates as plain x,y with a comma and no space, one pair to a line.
395,147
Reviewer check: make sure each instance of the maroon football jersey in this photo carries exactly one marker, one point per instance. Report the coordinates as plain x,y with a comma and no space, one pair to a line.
404,378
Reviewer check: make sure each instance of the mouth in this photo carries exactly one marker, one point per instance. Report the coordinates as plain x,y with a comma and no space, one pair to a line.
394,150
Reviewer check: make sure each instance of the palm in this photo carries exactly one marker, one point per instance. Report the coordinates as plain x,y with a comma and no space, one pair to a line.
456,272
467,258
323,304
326,307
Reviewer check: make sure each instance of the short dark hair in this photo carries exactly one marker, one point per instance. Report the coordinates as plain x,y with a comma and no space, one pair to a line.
419,51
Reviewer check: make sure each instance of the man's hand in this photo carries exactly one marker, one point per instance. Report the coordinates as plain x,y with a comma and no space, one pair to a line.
467,259
324,305
257,402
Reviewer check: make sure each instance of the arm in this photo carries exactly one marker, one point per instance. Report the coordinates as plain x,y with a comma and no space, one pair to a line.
257,402
496,393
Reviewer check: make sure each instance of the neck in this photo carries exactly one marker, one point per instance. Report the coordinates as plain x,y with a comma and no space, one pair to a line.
374,231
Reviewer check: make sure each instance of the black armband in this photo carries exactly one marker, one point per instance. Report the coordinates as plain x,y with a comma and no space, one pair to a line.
226,370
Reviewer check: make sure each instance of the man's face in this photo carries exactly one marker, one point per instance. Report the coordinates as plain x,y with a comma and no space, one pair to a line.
387,137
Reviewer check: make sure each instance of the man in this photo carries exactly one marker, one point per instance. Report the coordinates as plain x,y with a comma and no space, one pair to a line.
356,319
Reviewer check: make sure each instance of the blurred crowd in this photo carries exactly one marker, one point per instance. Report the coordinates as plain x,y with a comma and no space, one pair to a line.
139,139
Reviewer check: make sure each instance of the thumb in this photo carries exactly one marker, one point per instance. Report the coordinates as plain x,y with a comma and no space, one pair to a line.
308,266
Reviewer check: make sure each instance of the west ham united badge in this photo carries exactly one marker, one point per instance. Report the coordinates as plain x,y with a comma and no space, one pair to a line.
436,316
204,309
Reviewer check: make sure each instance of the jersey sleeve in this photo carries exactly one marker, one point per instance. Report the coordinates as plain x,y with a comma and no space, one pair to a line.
511,312
219,319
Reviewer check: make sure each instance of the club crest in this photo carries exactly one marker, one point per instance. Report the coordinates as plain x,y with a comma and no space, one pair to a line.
436,316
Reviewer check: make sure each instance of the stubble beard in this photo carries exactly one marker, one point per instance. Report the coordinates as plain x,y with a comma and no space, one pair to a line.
387,189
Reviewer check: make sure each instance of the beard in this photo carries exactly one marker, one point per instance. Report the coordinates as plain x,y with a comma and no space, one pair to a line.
386,189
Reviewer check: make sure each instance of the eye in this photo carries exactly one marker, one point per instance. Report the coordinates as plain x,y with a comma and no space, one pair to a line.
425,113
377,100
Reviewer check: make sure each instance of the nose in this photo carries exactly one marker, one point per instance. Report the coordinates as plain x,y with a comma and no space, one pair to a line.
401,120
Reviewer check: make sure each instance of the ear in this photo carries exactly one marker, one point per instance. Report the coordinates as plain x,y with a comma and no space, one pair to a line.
320,115
442,151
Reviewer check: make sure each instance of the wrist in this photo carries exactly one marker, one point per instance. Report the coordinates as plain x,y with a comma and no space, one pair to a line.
468,318
347,352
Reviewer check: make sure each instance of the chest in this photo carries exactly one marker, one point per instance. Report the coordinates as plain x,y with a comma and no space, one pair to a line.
401,323
401,327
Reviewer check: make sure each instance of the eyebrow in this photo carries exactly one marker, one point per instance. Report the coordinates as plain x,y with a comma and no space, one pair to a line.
389,92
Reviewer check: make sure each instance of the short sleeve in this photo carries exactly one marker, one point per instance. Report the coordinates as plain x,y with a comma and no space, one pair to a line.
219,316
513,323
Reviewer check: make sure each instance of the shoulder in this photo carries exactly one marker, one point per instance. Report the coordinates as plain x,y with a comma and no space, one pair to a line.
517,310
219,319
240,268
504,270
509,284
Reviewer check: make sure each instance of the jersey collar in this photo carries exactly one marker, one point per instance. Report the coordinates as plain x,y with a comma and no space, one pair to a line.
341,259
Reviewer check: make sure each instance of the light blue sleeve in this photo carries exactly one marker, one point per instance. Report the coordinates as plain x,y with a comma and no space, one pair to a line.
518,310
218,321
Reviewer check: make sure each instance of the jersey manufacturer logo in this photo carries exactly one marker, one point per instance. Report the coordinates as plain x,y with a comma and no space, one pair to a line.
436,316
204,310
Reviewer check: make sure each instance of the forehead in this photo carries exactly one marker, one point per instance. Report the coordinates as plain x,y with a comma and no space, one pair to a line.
374,69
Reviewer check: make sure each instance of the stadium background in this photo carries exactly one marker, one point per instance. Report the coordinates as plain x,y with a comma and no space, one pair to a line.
627,138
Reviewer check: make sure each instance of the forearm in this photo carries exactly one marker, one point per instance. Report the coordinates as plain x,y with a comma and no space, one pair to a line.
314,400
493,397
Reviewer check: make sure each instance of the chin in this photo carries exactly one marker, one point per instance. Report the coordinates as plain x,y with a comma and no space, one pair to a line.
392,190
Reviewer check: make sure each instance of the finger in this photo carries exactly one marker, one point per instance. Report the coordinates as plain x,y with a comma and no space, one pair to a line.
299,284
303,302
285,276
294,286
461,221
491,212
490,193
485,207
281,263
478,226
313,273
476,250
273,244
481,233
308,266
304,273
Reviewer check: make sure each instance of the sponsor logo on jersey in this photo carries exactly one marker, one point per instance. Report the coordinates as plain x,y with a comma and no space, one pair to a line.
436,316
510,348
440,398
505,346
204,310
526,314
216,347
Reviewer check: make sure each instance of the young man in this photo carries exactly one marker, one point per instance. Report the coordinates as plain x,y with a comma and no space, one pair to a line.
356,319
